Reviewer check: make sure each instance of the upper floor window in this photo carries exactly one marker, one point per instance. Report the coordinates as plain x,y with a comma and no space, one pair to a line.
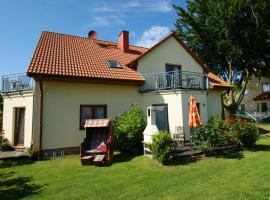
265,87
92,112
174,75
246,92
173,68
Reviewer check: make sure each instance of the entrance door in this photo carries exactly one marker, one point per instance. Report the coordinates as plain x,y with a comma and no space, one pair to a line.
162,117
19,127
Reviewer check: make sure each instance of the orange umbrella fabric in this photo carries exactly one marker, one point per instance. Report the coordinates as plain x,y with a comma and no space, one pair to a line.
194,117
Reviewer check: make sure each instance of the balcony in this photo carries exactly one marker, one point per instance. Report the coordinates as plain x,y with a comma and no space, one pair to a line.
174,80
16,83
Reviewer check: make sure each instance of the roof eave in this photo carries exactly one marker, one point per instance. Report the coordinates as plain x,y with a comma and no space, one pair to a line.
98,80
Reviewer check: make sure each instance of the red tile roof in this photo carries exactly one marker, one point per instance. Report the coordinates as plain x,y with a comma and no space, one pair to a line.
65,55
262,96
217,83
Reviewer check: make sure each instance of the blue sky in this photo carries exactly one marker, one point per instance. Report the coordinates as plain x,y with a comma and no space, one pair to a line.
22,22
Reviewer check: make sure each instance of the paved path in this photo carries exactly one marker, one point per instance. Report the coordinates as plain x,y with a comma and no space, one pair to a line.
11,154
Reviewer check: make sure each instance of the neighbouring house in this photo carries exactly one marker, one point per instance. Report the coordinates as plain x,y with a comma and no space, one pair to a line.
257,96
72,78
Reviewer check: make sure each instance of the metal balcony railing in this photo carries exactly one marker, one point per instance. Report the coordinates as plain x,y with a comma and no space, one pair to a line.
174,80
16,83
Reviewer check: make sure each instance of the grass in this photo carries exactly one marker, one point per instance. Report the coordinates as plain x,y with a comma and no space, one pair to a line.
242,177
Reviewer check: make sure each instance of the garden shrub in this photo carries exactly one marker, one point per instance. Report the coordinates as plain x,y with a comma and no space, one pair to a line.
239,131
4,143
232,131
208,135
161,146
128,130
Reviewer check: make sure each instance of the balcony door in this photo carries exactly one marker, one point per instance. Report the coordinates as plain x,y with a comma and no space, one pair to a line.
19,127
162,117
175,72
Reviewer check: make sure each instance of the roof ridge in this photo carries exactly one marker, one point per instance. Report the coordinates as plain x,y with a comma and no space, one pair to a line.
64,34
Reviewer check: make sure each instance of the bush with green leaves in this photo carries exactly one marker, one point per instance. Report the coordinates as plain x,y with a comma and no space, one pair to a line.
208,135
128,130
161,146
4,143
249,135
231,131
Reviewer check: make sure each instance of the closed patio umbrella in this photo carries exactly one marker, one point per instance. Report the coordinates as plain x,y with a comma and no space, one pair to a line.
194,116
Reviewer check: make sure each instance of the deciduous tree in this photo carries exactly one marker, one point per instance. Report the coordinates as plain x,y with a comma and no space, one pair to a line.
232,37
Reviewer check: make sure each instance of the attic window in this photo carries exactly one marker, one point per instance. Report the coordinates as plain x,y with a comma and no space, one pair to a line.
113,64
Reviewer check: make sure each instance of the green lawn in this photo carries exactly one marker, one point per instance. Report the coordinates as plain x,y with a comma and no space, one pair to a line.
245,176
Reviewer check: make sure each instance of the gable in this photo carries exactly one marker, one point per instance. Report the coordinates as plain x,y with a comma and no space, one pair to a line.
168,52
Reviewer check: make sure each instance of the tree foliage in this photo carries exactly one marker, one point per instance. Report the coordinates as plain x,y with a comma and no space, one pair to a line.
232,37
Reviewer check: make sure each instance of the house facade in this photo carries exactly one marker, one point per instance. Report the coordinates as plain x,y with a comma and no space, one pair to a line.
73,78
257,96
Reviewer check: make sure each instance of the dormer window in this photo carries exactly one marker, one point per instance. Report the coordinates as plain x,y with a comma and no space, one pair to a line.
114,64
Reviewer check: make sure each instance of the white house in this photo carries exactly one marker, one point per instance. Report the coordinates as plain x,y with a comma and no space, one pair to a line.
73,78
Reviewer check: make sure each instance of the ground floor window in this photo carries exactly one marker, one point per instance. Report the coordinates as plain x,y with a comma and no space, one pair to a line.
19,127
92,112
243,107
264,107
162,117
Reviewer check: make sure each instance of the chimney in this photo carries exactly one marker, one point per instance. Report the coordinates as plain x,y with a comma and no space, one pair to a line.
123,41
92,35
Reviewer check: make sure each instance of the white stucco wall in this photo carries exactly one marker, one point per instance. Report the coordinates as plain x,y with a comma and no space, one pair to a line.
61,109
178,106
201,98
24,100
172,99
214,103
170,52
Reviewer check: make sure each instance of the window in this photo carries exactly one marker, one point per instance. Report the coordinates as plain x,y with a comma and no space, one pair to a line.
92,112
264,107
246,92
258,107
265,87
175,70
243,107
162,117
113,64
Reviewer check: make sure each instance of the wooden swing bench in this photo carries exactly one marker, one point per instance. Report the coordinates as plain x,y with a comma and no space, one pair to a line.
97,148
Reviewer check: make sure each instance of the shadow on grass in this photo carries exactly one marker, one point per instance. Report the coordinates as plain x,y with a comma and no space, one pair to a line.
14,187
263,131
122,157
259,147
176,162
15,162
232,155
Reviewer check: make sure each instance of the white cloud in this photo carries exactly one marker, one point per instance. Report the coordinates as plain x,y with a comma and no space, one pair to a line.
159,6
153,35
136,6
106,21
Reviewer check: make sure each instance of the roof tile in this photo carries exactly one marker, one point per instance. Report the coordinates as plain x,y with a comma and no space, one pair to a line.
66,55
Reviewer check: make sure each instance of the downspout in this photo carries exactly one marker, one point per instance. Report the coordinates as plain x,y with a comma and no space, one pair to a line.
41,116
33,112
